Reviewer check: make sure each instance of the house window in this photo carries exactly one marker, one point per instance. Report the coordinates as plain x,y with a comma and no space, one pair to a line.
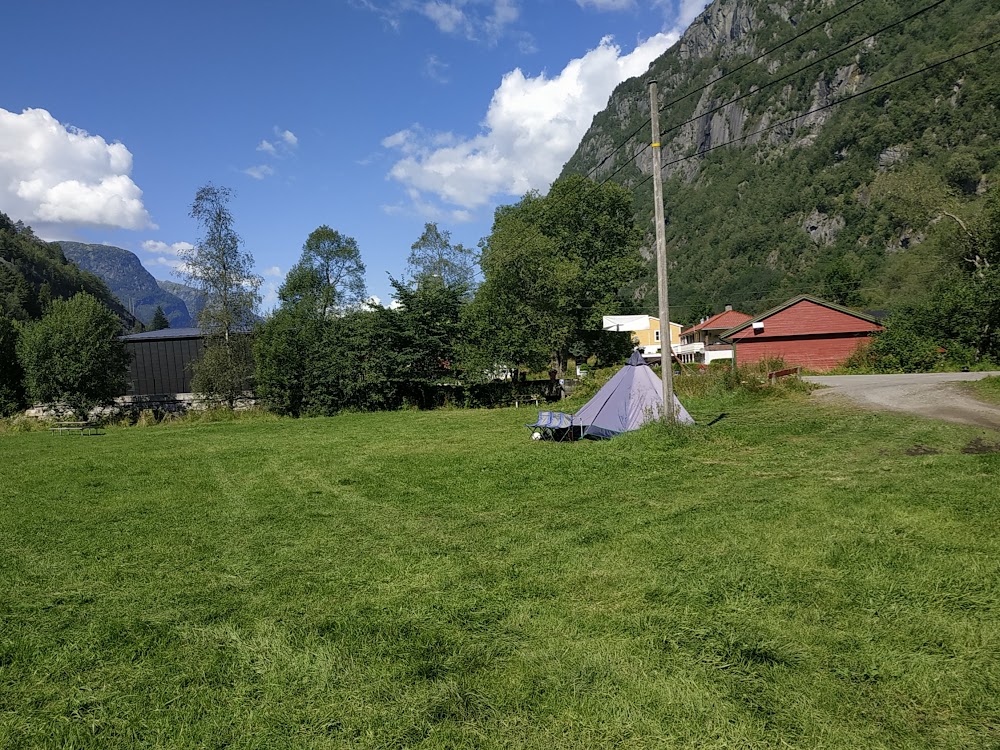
656,335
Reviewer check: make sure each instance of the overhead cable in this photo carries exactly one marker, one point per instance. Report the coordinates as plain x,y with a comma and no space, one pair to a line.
725,75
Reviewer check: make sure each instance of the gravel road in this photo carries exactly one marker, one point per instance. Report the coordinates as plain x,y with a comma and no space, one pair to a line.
933,395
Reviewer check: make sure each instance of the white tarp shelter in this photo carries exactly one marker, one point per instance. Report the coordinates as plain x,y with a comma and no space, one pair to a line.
626,323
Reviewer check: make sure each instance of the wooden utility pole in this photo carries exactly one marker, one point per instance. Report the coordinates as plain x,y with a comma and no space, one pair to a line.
666,358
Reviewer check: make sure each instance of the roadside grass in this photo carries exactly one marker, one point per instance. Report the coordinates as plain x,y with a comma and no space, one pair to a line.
987,389
797,574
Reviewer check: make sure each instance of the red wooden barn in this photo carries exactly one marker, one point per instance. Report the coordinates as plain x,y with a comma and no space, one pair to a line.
805,332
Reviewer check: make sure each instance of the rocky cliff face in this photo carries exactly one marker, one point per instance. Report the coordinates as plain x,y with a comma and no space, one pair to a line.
129,281
766,191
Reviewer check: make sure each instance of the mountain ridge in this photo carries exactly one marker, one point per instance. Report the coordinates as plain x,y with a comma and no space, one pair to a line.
34,272
126,277
192,298
812,204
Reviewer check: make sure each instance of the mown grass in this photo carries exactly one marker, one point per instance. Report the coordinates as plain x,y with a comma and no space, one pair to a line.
794,575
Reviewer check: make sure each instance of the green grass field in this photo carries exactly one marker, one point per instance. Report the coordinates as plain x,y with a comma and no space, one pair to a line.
792,576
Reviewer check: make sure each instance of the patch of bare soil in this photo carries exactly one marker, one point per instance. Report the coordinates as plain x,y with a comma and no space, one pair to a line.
980,446
922,450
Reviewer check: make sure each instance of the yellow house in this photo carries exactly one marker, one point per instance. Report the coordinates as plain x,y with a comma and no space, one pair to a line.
651,336
645,330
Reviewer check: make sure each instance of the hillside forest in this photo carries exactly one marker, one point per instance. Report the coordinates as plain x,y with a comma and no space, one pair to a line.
782,176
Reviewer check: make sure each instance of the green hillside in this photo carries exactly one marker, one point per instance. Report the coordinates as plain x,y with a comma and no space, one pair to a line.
33,272
860,202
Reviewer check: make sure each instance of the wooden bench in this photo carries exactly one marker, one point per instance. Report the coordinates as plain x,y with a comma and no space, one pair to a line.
772,377
81,428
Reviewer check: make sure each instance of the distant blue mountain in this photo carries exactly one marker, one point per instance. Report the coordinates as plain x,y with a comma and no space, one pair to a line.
129,281
194,299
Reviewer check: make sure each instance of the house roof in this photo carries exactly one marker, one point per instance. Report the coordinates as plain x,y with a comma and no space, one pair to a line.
165,334
794,301
720,321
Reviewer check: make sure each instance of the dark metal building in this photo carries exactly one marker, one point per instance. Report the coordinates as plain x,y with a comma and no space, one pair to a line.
160,361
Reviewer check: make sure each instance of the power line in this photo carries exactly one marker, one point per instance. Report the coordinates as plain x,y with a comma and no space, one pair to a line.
725,75
813,63
823,107
774,82
812,287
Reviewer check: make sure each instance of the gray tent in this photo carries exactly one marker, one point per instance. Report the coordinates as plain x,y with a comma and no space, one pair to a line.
631,398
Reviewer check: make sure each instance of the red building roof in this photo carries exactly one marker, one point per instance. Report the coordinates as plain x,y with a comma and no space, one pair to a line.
723,321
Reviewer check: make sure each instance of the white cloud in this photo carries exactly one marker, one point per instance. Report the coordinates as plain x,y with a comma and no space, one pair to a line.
284,144
690,10
476,20
505,12
402,139
274,272
158,247
532,127
390,14
436,69
165,255
419,206
682,11
61,175
606,4
268,296
370,159
259,172
447,17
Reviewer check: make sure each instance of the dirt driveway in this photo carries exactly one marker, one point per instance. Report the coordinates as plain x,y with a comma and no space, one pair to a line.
933,395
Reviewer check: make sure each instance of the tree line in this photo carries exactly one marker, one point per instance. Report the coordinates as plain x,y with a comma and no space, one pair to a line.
551,267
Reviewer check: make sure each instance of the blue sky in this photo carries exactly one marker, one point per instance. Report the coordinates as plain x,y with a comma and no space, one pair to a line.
371,116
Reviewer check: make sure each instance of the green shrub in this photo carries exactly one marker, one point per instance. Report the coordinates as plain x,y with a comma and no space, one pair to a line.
73,356
23,423
898,349
746,380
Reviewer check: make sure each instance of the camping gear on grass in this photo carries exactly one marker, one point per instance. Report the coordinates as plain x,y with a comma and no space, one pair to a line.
554,425
631,398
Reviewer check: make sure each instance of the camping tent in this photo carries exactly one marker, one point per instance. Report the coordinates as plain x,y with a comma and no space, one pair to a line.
631,398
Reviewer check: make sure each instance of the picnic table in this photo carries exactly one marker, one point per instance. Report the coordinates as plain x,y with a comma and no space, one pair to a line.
80,428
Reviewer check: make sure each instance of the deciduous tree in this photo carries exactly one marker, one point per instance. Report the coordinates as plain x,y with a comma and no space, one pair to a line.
329,276
73,356
425,335
553,266
218,267
434,260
